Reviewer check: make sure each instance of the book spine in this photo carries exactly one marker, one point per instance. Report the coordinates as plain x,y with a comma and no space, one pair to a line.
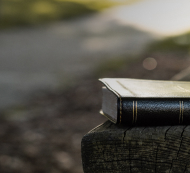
154,111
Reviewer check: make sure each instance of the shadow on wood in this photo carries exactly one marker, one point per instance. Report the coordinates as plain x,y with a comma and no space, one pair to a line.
111,148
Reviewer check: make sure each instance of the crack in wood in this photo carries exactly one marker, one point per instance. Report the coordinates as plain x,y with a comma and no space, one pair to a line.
171,166
181,141
166,132
156,158
185,168
129,158
125,133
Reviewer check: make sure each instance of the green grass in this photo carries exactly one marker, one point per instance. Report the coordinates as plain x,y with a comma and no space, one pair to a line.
33,12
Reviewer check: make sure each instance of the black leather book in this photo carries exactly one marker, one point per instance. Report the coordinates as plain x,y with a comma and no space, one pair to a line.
146,102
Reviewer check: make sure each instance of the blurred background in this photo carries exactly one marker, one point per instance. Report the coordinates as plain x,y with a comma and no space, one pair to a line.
52,53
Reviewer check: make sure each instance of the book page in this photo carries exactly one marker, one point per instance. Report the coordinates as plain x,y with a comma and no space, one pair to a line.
125,87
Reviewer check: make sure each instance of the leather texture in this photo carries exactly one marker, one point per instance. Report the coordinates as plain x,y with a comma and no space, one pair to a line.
155,111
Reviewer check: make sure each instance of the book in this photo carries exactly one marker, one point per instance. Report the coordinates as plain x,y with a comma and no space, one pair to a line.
146,102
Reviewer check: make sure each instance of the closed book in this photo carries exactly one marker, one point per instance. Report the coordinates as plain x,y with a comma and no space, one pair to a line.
146,102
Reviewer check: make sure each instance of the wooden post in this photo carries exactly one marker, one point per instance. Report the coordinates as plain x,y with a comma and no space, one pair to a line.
111,148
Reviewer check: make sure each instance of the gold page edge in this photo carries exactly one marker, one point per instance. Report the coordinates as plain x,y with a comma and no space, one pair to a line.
108,117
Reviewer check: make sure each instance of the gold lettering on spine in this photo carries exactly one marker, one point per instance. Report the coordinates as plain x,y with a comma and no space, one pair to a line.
182,111
133,110
120,109
179,111
136,112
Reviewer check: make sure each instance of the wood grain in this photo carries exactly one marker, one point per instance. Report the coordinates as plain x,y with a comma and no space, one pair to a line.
111,148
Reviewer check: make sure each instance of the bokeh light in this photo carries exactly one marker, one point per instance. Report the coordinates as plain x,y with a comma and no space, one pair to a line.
149,63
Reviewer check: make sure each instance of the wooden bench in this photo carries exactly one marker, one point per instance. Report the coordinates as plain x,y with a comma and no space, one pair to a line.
111,148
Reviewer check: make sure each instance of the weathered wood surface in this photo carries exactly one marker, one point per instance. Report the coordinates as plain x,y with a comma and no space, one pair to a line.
110,148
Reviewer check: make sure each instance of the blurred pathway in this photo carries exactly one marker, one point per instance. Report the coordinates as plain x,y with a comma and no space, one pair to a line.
46,57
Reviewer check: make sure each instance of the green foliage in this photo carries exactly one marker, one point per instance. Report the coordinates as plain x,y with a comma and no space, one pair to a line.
32,12
179,43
